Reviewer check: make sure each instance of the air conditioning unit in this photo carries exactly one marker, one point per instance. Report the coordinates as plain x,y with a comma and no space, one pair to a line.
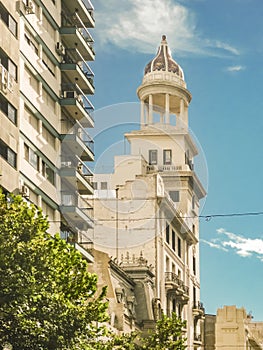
4,78
30,7
25,191
70,94
60,49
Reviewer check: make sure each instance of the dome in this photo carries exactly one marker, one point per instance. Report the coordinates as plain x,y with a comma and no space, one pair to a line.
163,61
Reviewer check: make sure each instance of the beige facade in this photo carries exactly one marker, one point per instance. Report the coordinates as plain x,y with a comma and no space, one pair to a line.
130,290
232,328
45,81
149,205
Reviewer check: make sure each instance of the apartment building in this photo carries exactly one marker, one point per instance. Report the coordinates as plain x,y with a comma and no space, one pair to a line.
232,328
45,109
146,210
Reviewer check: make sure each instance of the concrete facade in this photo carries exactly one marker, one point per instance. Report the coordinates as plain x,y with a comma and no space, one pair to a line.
149,205
45,81
232,328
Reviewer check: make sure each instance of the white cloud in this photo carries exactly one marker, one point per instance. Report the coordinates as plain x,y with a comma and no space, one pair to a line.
137,26
235,68
245,247
213,245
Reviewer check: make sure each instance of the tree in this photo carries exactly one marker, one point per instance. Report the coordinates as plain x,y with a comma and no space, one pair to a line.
168,334
47,296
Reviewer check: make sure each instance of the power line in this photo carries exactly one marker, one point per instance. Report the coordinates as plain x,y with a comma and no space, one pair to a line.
211,216
207,217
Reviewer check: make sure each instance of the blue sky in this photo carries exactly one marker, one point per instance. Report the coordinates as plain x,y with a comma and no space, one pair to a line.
219,45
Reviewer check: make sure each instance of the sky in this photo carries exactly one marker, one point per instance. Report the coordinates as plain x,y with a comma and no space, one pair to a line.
219,45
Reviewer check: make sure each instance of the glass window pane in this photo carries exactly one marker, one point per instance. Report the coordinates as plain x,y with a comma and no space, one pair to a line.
12,25
167,156
11,113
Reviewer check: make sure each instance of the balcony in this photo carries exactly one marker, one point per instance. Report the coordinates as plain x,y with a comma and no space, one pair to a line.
77,211
83,8
79,176
175,285
76,35
76,141
75,69
77,104
85,248
198,309
85,252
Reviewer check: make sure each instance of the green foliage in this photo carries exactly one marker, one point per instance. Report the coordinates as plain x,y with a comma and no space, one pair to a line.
47,296
167,335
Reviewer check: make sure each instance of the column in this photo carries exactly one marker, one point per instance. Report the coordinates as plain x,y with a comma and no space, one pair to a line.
167,108
150,109
182,114
142,112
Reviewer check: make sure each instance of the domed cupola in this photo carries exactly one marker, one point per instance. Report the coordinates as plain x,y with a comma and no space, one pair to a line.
163,61
163,93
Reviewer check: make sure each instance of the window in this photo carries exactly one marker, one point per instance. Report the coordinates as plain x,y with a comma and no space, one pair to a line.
31,157
153,156
95,185
167,156
173,240
174,305
103,185
48,173
194,265
51,139
33,82
193,202
48,210
48,63
9,110
175,196
8,20
167,234
30,118
31,41
8,64
48,100
8,154
48,27
179,248
194,296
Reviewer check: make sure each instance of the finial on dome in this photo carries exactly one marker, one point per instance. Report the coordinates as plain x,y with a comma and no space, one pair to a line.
163,61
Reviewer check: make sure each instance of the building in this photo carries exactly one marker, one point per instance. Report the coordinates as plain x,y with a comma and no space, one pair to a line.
148,207
232,328
45,111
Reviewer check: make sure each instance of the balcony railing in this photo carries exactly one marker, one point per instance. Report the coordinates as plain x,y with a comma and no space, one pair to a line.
75,200
68,129
69,20
169,167
74,56
172,277
198,306
77,94
198,309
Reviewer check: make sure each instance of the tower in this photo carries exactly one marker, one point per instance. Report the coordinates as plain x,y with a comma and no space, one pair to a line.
151,206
